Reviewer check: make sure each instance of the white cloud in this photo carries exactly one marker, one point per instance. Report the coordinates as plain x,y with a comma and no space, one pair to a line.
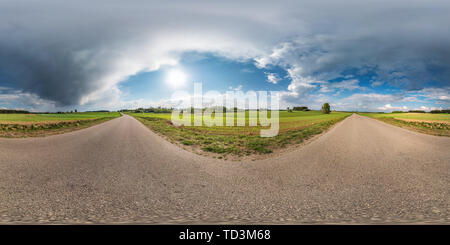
367,102
16,99
426,108
351,84
275,56
410,99
272,78
388,107
440,95
238,88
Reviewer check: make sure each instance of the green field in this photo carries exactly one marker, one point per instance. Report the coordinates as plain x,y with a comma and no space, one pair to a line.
295,127
417,116
26,125
11,118
434,124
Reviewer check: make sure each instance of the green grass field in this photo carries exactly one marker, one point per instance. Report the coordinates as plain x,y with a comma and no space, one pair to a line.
415,116
295,127
434,124
26,125
36,118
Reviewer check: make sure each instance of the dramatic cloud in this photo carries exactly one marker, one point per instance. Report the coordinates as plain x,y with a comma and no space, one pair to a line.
16,99
77,52
440,95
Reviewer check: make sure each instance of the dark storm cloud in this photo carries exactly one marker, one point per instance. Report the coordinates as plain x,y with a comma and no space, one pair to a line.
74,52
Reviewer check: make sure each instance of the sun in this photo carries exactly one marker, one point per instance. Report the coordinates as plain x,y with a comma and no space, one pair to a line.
176,78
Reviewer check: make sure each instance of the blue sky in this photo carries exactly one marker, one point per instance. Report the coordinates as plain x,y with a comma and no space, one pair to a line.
222,74
367,56
215,73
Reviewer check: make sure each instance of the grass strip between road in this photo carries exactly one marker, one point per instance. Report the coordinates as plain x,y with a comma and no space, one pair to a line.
224,142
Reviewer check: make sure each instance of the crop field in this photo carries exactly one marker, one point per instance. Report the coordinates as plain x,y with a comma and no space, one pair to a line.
434,124
14,118
228,141
26,125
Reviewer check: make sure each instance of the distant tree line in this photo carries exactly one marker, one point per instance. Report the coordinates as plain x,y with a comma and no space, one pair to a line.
191,109
326,108
300,108
8,111
440,111
151,109
422,111
96,111
75,111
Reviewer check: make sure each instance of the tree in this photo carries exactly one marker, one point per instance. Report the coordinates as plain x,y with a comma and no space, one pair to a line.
440,111
76,110
300,108
326,108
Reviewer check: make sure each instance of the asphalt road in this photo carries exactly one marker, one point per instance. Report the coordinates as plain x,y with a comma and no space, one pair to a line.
361,171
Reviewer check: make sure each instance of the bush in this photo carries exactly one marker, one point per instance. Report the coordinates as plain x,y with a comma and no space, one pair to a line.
326,108
152,110
300,108
6,111
440,111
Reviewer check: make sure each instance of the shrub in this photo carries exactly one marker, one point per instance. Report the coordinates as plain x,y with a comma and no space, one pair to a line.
440,111
326,108
6,111
300,108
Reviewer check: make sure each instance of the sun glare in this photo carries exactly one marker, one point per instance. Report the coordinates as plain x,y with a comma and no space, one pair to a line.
176,78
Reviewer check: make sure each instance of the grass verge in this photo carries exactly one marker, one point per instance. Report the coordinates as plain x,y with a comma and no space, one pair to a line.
433,124
224,142
38,125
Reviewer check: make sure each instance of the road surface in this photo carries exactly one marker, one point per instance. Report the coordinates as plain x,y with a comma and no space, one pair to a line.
361,171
